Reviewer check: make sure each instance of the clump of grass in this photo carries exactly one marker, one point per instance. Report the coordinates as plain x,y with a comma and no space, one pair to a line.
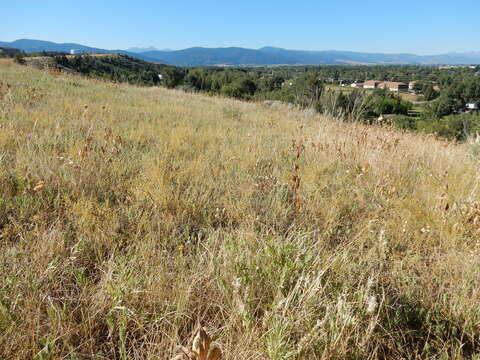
232,112
129,214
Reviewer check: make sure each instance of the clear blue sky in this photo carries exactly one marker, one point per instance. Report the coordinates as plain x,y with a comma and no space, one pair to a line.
417,26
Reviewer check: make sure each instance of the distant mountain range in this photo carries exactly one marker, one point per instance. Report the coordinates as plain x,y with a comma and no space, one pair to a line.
139,50
236,56
30,46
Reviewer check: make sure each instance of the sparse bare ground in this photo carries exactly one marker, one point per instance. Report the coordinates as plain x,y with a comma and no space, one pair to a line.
129,214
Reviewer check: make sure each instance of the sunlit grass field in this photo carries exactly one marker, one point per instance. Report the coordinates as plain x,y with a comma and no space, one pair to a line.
128,215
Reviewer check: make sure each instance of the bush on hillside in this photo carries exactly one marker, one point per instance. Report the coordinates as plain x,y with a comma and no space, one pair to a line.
19,58
458,127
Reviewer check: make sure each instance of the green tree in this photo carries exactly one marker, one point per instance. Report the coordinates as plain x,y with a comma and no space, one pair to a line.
314,87
429,93
241,88
19,58
172,77
199,79
61,60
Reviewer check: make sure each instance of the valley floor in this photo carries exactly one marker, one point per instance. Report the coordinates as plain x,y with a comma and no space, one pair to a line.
128,214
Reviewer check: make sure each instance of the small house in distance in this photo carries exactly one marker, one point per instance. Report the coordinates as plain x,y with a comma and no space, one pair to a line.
394,86
390,85
471,107
414,88
371,84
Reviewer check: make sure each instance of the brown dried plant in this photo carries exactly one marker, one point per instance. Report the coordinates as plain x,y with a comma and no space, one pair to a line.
6,99
33,97
203,348
39,186
298,148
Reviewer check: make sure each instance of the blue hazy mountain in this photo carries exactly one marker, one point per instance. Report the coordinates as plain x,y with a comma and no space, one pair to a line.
139,50
236,56
30,46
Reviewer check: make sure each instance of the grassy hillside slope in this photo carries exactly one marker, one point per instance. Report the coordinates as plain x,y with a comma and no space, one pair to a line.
127,214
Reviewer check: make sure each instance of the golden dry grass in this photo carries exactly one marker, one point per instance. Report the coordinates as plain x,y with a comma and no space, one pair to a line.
129,214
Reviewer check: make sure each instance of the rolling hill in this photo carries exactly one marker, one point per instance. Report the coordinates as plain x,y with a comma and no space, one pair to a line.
31,46
40,45
276,56
236,56
139,50
128,214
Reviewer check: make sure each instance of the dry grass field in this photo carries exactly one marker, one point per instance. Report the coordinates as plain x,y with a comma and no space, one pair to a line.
129,214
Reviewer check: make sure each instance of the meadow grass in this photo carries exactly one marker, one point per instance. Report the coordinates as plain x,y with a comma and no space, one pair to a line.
129,214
